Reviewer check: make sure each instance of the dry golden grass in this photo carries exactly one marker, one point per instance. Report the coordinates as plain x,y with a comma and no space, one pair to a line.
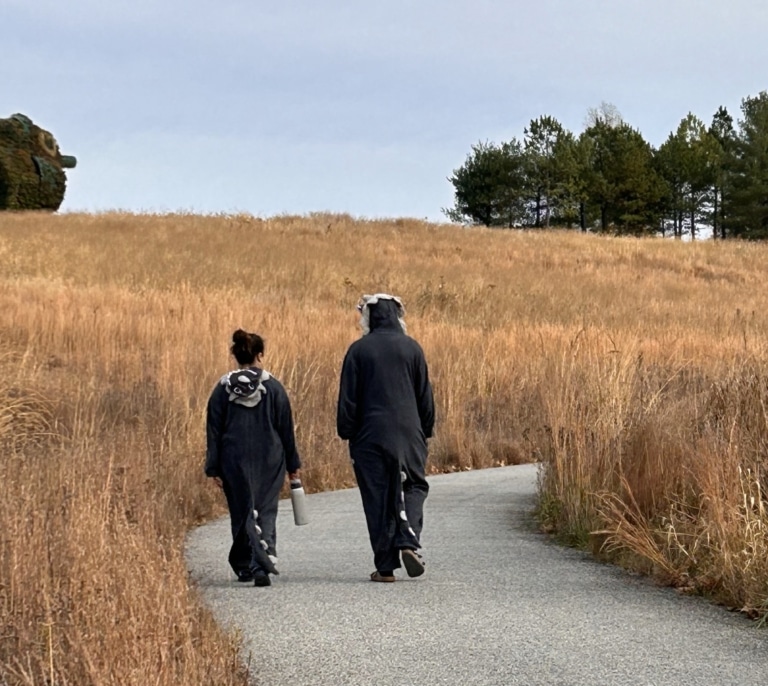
635,369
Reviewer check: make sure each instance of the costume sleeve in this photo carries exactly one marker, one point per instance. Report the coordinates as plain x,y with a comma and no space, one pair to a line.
215,420
346,409
424,397
285,429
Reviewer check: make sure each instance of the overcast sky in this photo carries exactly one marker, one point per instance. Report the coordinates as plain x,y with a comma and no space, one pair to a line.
346,105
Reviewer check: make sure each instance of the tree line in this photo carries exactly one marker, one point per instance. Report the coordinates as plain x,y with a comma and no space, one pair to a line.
703,178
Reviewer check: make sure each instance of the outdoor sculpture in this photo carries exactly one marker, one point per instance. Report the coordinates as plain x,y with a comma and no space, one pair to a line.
31,167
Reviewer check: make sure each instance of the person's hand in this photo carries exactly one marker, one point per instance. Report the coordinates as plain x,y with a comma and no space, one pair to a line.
292,476
217,480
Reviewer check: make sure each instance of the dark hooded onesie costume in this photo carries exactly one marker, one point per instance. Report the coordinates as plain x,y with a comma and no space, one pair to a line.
251,445
386,411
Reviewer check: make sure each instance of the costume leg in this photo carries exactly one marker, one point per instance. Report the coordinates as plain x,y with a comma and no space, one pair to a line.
415,490
238,501
259,548
249,547
266,521
377,476
406,536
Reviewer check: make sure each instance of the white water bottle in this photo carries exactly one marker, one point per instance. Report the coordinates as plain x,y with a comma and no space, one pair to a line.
299,503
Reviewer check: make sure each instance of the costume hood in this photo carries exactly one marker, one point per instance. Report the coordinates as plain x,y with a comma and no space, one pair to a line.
381,311
244,386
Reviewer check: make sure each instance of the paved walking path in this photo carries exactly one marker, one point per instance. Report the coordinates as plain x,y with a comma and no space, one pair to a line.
499,605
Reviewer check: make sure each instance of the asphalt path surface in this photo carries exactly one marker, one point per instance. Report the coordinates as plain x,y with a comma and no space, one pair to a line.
500,604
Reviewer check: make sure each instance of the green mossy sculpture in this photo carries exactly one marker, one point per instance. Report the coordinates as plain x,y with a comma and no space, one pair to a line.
31,167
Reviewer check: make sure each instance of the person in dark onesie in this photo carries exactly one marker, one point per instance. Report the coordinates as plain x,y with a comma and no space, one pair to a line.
250,446
386,412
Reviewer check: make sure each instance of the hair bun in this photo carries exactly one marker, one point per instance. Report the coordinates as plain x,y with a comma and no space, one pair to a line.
246,347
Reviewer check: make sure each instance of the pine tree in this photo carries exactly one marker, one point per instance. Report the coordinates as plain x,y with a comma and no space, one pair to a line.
724,135
489,188
749,171
621,178
671,167
546,174
689,159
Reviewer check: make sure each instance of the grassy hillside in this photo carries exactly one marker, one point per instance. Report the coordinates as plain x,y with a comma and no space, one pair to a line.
635,369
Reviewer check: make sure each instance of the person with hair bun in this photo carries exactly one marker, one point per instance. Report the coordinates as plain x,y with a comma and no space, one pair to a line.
250,447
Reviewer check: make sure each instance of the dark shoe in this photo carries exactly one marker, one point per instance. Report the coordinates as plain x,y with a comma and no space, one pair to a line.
245,576
261,579
386,578
413,562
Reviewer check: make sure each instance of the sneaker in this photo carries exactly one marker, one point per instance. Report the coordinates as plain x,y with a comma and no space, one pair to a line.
386,578
413,562
261,579
245,576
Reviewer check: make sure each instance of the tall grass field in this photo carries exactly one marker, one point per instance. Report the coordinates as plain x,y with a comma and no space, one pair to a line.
636,370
